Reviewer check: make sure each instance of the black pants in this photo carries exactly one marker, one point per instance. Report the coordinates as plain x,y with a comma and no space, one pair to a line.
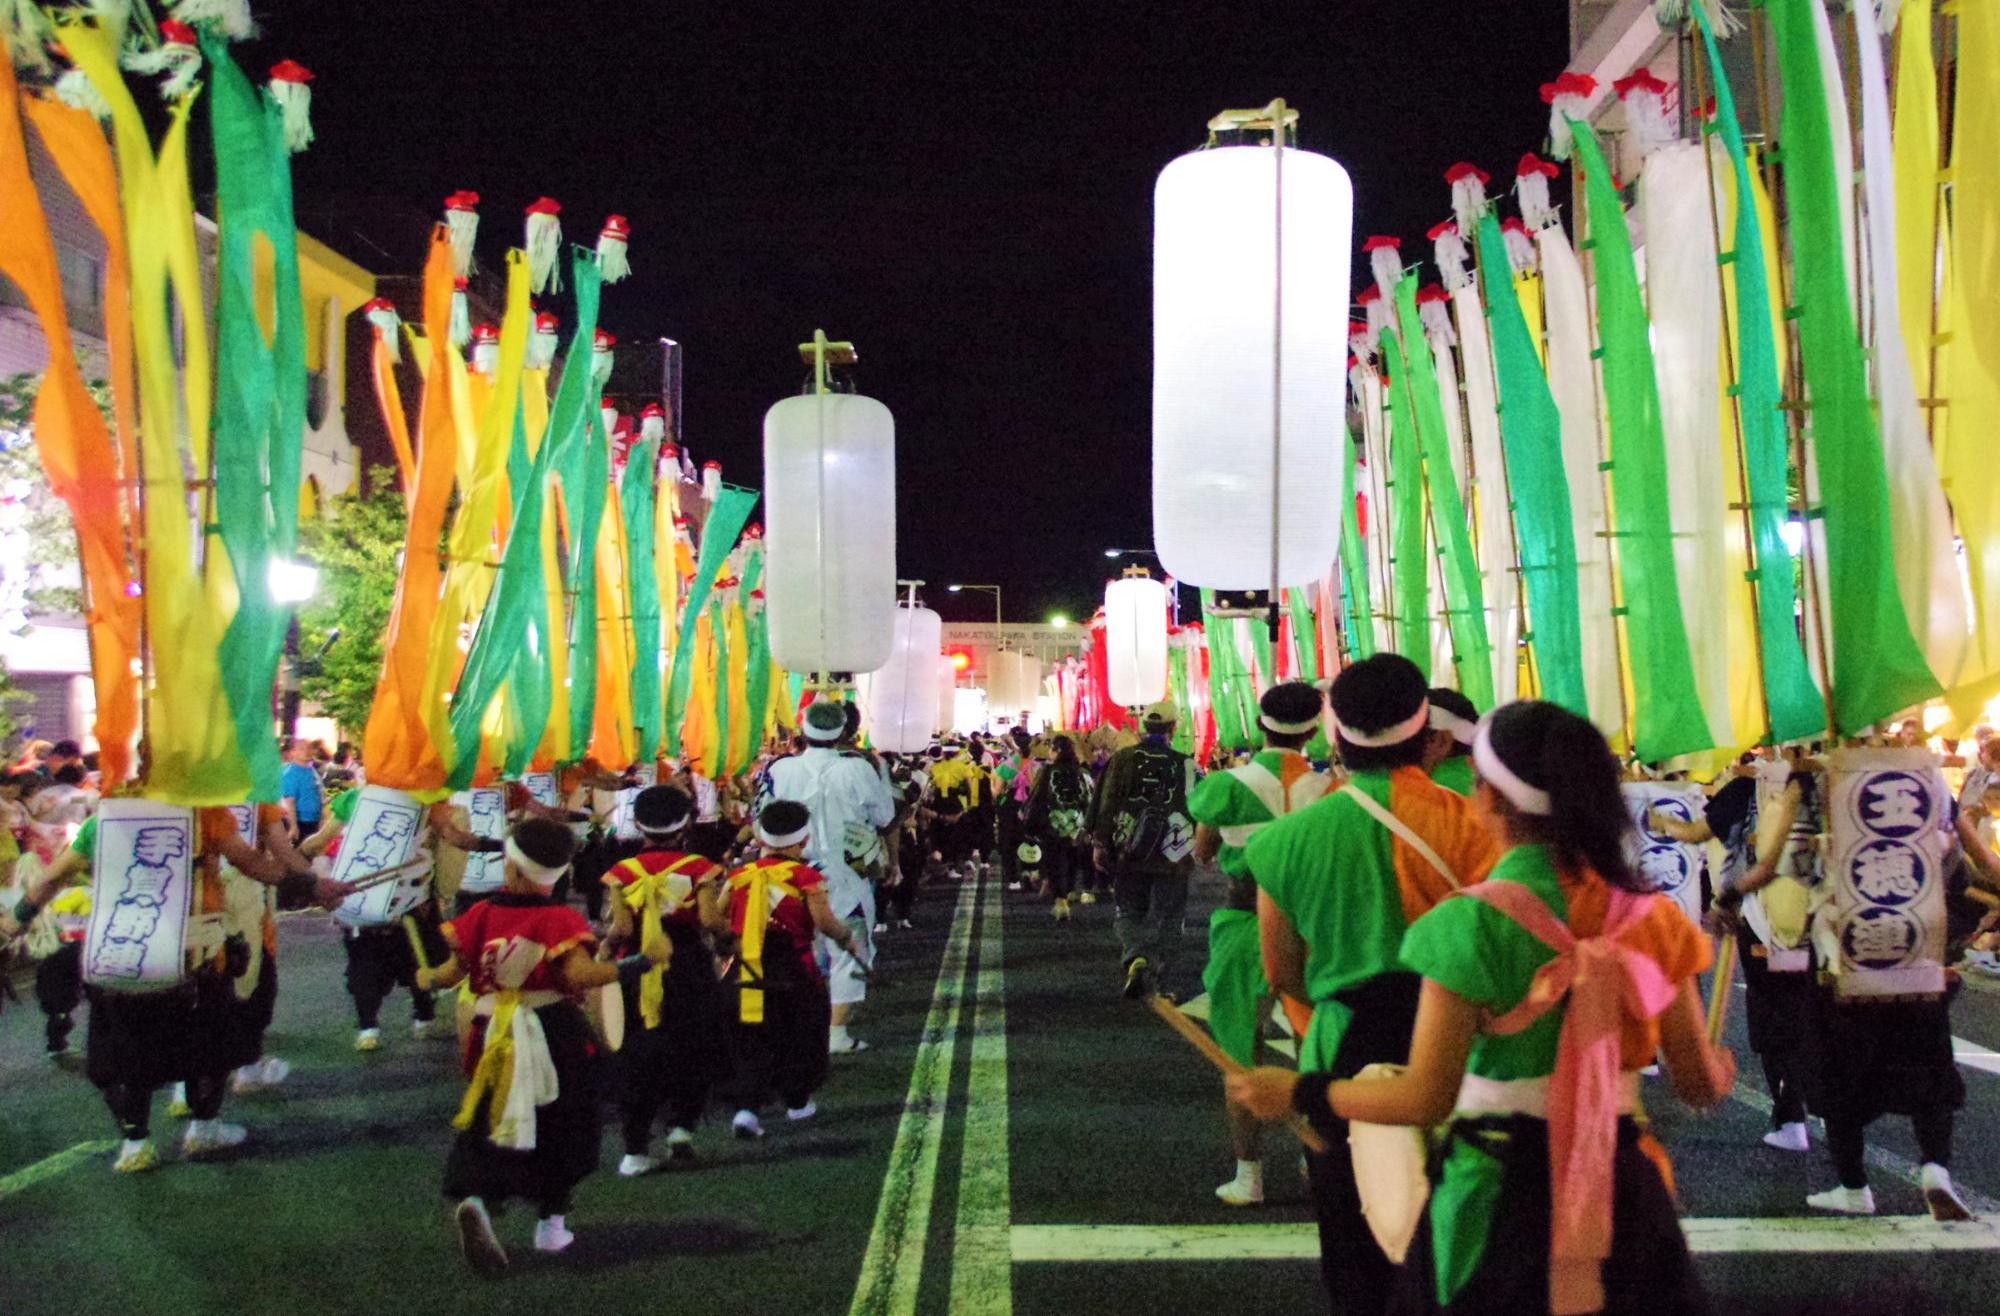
1846,1142
1061,860
59,990
786,1054
1788,1098
1359,1277
1007,839
378,962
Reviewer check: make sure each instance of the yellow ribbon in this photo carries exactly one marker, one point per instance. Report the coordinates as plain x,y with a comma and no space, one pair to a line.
757,880
493,1077
643,893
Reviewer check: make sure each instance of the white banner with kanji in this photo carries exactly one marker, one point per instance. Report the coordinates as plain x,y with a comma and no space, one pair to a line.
1674,868
1890,846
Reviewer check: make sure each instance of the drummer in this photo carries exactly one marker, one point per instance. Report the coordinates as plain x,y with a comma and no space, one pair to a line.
674,1047
1514,1069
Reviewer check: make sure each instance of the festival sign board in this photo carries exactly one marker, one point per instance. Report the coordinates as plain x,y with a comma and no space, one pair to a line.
622,826
1889,848
1673,868
541,787
486,817
386,831
142,891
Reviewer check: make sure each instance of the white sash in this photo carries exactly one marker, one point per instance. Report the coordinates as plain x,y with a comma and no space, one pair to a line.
1402,829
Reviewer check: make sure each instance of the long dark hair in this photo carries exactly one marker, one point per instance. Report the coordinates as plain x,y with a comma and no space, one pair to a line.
1553,749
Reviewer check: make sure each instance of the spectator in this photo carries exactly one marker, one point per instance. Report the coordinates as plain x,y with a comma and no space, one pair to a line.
299,789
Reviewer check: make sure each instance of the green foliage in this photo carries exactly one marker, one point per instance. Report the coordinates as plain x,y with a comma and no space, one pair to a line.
356,545
41,575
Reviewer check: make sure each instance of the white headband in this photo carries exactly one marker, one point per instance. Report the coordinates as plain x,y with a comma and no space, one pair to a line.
1443,719
785,842
1526,798
1288,728
539,874
1394,735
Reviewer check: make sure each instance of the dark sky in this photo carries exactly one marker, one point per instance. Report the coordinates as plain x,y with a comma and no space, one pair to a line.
963,190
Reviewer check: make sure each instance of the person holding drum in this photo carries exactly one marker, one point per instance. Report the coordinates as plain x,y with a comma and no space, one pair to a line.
528,1126
1546,988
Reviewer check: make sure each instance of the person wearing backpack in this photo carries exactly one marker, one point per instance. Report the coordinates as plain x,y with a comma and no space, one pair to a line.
1339,883
1546,988
1057,805
1143,837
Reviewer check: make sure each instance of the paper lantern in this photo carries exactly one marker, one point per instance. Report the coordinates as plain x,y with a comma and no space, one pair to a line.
1135,640
968,710
1014,681
1249,342
830,532
947,684
902,699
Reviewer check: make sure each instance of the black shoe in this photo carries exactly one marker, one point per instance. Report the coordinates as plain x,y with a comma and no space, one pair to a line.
1138,979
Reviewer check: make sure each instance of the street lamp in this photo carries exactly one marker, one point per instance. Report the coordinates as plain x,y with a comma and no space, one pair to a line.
1116,553
291,582
994,590
1058,622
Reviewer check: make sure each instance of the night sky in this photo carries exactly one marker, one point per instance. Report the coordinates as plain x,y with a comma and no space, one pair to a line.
965,191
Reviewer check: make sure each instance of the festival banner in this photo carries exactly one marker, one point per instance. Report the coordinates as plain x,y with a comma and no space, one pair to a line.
1888,859
1673,868
142,895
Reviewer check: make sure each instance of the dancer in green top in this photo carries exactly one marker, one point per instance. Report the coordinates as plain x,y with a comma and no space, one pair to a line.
1448,751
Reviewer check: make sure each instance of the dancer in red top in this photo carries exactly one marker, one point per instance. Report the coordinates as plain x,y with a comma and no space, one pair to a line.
529,1124
778,1030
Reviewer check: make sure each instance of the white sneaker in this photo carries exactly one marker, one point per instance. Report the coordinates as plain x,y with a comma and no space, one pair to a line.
276,1070
1789,1137
847,1048
804,1112
746,1124
634,1166
177,1104
1940,1196
476,1239
1242,1192
680,1144
1846,1201
552,1235
135,1156
205,1136
881,928
259,1075
368,1039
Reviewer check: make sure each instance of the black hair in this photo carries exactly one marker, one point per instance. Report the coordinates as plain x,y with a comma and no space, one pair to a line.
545,841
658,810
783,817
70,774
1371,696
1554,750
1065,750
1455,702
68,749
852,712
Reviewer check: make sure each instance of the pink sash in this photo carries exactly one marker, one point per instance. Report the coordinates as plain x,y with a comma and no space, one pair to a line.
1606,983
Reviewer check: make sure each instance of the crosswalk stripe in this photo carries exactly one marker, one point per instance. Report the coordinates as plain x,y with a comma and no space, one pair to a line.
1711,1236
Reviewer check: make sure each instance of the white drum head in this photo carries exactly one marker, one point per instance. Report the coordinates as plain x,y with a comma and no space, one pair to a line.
1390,1175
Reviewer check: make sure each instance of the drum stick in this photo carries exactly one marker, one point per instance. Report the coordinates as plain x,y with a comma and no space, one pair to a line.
416,942
1199,1039
387,875
1721,985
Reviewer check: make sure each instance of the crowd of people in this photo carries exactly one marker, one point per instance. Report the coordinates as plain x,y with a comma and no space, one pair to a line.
1440,916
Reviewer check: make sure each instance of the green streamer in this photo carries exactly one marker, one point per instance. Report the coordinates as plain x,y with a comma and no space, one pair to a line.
1465,600
1408,561
1225,678
1305,634
260,398
508,643
636,496
1359,608
1878,669
757,626
719,748
726,520
1797,709
586,487
1667,712
1177,688
1531,434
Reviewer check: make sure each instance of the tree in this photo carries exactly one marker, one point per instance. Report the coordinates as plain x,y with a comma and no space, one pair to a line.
39,571
356,546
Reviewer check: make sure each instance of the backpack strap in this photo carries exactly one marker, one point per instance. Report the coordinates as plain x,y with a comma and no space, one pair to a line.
1403,832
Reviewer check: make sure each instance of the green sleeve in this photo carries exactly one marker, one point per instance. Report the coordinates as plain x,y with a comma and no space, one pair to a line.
1268,856
1208,802
343,804
85,843
1459,945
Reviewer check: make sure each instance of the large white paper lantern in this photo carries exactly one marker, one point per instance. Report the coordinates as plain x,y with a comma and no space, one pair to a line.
830,532
1135,640
947,708
902,700
1249,337
1014,681
968,710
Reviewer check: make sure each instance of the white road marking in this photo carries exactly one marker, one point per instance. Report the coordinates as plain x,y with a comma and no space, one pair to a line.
982,1270
1300,1242
894,1261
1974,1056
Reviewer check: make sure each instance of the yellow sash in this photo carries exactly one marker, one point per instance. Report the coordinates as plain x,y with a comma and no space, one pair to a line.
757,879
493,1076
643,892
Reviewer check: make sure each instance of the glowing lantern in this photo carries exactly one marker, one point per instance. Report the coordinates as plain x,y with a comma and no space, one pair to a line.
902,700
1014,683
1250,278
947,688
1135,640
830,499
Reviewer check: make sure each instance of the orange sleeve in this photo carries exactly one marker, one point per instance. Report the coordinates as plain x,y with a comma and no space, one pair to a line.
1667,936
1453,826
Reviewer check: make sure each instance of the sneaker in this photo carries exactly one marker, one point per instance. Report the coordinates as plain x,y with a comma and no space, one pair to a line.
847,1048
1983,962
476,1239
368,1039
1845,1201
57,1055
137,1157
1017,886
1789,1137
634,1166
1940,1196
680,1144
425,1029
1087,898
804,1112
205,1136
746,1125
1241,1192
259,1075
881,928
552,1235
1138,984
177,1104
904,925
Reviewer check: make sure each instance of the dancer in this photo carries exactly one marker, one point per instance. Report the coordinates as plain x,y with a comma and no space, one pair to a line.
1231,807
674,1046
528,1126
776,903
1057,806
1142,837
1448,749
1516,1042
1339,883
